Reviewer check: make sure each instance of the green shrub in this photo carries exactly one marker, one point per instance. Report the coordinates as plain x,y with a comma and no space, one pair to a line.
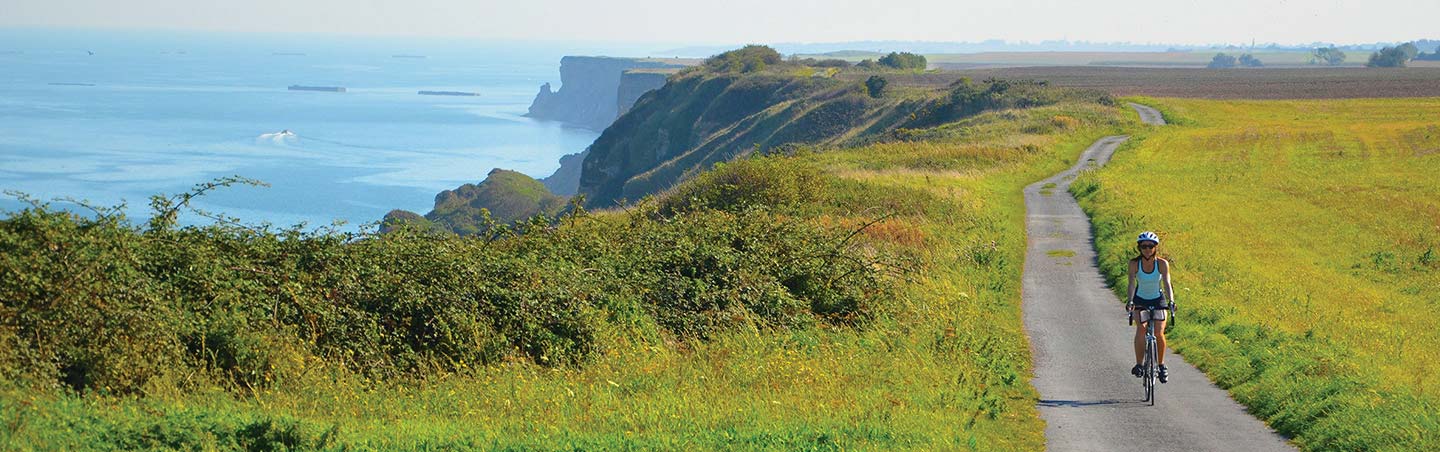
875,86
773,182
100,304
710,271
74,293
904,61
751,58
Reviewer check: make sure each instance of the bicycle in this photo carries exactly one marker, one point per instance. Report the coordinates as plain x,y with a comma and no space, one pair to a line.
1149,371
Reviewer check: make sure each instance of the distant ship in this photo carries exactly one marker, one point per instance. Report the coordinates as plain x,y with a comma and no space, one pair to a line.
407,56
288,54
332,89
71,84
447,93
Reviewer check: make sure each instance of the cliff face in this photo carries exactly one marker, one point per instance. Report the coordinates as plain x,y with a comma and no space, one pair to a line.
566,179
635,83
699,119
589,87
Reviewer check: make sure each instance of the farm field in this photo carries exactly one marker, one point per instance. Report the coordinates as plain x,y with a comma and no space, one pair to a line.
1269,83
1305,237
1196,58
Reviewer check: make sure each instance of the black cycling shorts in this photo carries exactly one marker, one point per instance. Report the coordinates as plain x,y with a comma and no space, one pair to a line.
1146,316
1144,303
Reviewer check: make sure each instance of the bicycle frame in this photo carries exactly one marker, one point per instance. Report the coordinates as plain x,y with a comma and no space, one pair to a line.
1150,371
1150,357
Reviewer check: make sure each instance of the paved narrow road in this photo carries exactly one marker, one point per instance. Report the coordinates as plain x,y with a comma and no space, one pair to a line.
1083,348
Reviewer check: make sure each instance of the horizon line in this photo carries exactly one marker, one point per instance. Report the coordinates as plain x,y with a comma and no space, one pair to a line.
712,44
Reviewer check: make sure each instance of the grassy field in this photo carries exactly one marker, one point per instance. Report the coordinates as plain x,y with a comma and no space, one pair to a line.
943,364
1305,238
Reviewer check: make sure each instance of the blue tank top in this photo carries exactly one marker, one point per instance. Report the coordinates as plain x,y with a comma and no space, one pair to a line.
1147,285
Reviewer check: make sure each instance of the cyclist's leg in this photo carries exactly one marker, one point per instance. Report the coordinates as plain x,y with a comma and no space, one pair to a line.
1139,338
1160,341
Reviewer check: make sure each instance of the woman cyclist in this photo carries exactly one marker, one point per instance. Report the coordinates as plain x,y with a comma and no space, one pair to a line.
1149,287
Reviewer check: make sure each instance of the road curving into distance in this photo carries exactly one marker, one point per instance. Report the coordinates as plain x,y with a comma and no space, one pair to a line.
1083,349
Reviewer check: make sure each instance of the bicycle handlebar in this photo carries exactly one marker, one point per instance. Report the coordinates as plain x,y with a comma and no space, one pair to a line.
1131,307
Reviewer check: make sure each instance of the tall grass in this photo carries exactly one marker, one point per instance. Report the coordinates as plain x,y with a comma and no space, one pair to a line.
1303,234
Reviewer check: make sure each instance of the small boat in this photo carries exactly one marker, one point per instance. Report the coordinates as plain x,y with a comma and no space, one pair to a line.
332,89
447,93
277,137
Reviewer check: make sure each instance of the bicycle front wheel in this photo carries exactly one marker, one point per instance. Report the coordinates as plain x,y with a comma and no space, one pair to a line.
1151,373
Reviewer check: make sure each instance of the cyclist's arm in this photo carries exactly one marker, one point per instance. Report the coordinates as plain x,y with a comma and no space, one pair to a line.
1130,287
1165,273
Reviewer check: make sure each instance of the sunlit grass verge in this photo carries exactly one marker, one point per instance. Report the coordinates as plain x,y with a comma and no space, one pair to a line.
1303,236
930,357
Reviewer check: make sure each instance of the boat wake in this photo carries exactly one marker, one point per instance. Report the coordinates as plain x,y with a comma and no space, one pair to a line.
281,137
288,138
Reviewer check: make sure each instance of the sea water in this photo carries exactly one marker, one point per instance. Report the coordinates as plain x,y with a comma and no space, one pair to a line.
116,117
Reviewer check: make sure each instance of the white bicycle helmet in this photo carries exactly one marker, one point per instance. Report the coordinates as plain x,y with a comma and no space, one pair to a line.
1148,236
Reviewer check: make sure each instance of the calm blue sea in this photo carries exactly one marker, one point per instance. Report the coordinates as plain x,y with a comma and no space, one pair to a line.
169,110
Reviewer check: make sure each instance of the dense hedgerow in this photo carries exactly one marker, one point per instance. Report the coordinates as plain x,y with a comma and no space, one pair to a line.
98,303
966,99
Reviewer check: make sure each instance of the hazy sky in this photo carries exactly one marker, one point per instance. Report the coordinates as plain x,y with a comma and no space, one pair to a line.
768,21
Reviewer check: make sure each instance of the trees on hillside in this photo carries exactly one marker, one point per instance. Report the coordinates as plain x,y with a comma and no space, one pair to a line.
904,60
750,58
875,85
1248,60
1329,55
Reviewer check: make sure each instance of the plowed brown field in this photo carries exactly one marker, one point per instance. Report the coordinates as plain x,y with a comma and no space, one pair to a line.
1299,83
